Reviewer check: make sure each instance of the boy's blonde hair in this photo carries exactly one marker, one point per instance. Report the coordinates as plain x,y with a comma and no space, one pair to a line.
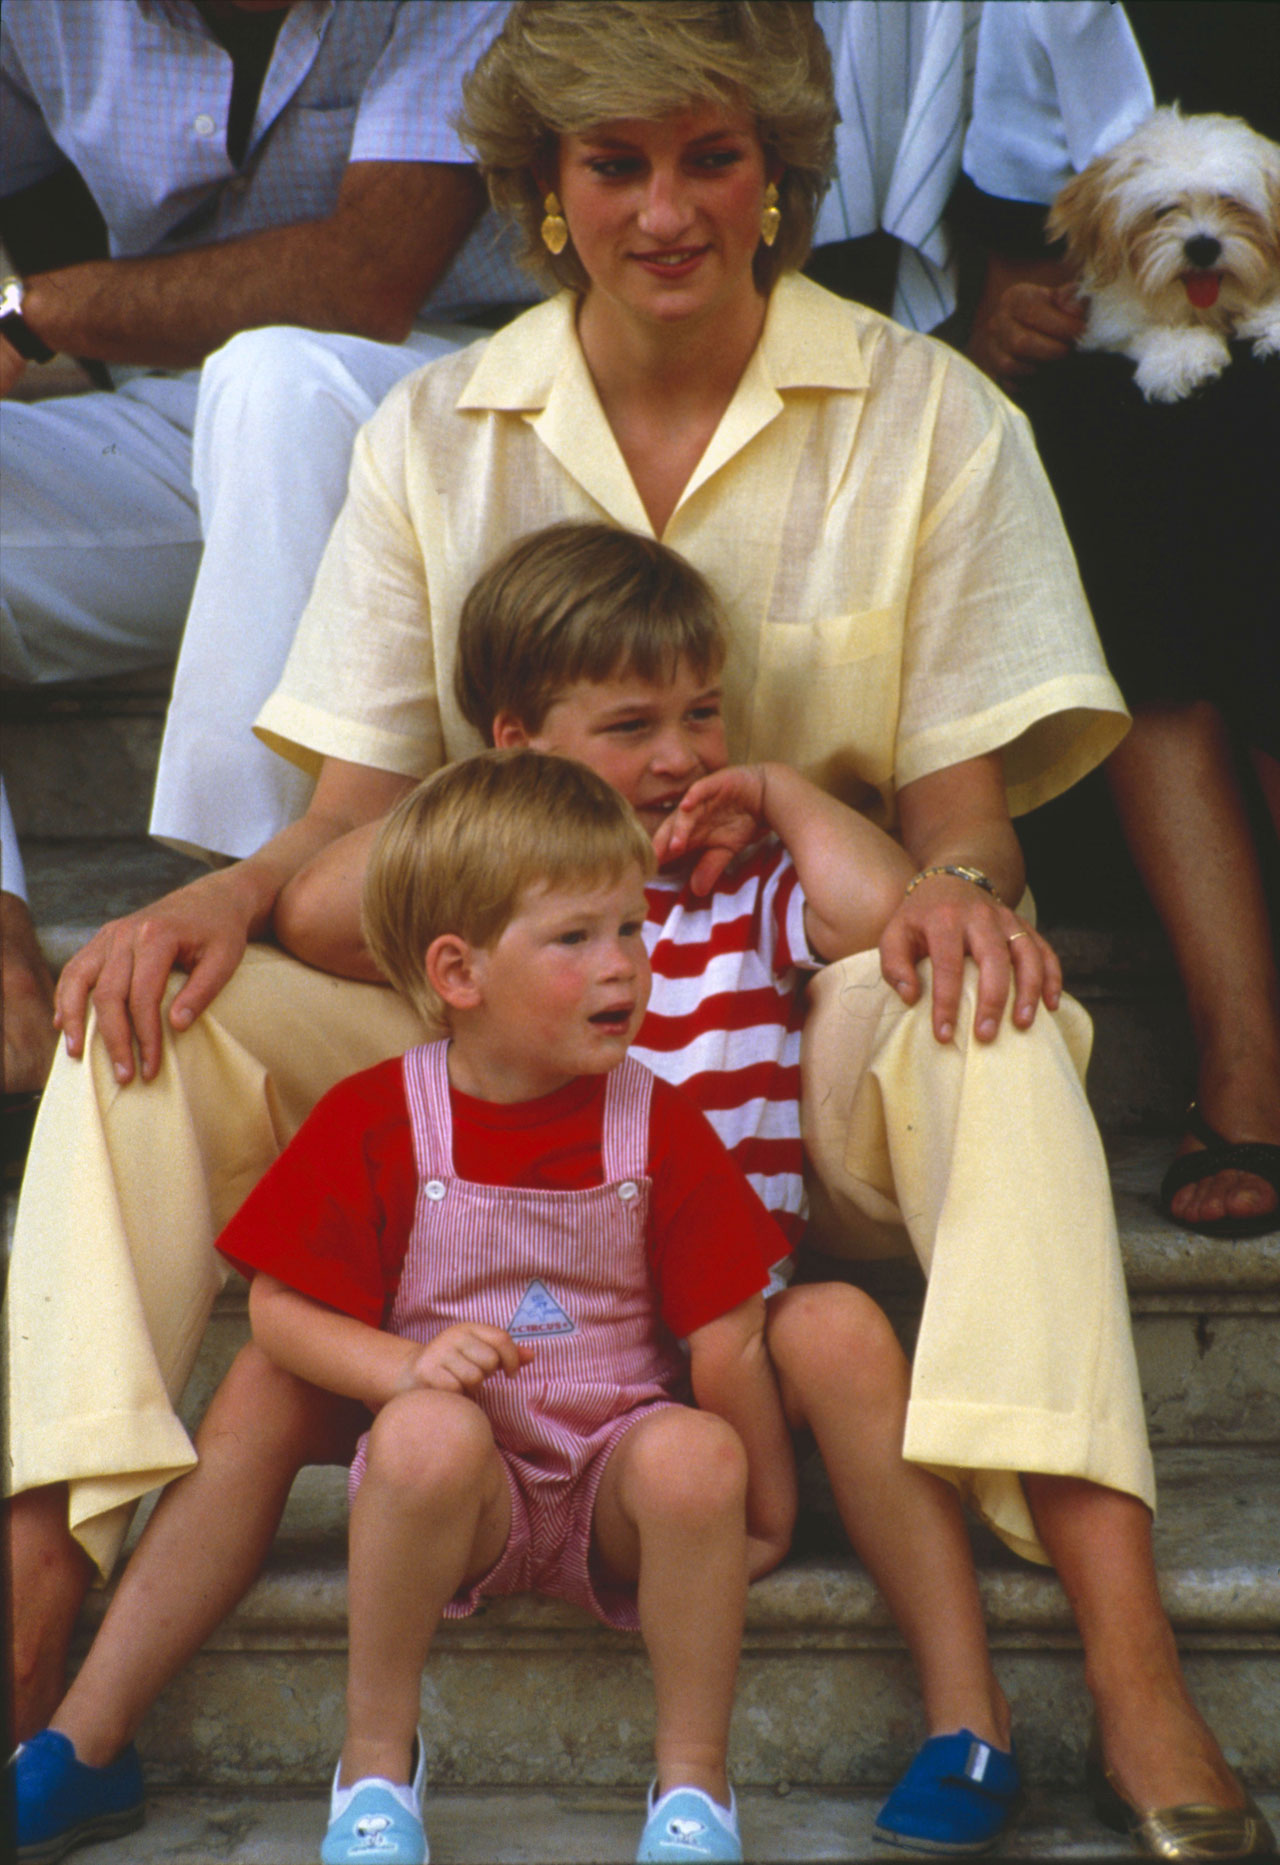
576,602
561,67
458,853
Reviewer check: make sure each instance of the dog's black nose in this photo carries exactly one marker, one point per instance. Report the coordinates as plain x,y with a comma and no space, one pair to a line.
1202,250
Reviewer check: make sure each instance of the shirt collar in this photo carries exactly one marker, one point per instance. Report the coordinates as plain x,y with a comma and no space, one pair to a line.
535,367
809,341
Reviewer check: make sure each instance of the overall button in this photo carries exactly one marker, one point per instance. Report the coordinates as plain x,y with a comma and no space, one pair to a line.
434,1189
204,124
628,1190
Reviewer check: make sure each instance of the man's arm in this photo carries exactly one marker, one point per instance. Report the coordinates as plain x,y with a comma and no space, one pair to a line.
364,269
733,1376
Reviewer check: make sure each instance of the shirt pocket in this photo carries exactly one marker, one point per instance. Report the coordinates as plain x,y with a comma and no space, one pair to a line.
826,700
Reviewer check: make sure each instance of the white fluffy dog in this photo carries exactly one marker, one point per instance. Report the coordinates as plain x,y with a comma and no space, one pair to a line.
1175,236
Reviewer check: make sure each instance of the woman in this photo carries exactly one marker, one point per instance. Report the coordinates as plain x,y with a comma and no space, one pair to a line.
907,627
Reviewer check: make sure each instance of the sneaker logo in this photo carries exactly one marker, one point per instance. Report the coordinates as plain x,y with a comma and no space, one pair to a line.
371,1830
686,1830
538,1315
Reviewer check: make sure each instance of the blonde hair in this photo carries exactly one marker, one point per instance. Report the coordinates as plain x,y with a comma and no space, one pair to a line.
579,601
561,67
458,853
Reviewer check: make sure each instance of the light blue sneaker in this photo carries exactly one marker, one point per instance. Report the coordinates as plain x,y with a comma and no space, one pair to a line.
687,1824
378,1822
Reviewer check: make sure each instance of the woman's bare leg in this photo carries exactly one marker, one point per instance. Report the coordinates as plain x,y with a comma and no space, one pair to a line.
845,1379
671,1515
1156,1743
202,1548
433,1510
1177,794
49,1575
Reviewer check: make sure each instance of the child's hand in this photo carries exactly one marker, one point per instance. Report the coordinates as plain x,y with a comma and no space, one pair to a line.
722,813
462,1357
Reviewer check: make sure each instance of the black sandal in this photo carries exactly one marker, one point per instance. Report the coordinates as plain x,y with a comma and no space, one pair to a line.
1258,1157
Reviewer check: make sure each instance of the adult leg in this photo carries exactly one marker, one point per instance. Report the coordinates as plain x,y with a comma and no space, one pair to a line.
1155,1741
99,541
433,1511
1178,798
278,413
670,1515
846,1380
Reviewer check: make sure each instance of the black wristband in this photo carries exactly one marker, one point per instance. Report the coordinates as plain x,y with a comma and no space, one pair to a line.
14,327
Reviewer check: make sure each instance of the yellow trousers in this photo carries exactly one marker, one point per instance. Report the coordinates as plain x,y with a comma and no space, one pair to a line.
985,1157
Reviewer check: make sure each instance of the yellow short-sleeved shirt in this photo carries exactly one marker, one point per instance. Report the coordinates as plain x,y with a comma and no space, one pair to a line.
870,511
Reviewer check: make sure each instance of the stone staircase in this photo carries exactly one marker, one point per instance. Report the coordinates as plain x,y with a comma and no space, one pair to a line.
538,1721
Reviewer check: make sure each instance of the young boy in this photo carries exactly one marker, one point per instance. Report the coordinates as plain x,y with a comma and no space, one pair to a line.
604,646
494,1243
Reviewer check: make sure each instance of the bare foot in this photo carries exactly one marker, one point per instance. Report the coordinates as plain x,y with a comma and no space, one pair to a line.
29,1036
1241,1101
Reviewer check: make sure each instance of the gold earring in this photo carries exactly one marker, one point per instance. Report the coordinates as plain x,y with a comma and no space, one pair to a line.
555,234
771,218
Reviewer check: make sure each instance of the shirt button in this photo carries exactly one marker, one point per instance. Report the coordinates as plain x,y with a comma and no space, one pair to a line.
434,1189
204,124
628,1190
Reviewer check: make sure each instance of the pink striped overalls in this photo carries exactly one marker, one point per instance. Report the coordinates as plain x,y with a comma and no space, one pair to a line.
567,1271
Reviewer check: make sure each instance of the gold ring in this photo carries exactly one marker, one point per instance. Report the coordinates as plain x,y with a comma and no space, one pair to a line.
1019,935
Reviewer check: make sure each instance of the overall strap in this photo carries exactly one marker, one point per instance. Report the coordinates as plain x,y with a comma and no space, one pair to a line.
625,1142
426,1087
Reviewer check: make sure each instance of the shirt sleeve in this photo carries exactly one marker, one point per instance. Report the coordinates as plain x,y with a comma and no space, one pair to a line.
332,1216
712,1244
1057,82
414,92
359,683
28,153
994,587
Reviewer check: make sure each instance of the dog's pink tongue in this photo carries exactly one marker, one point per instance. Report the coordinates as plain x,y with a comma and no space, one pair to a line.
1202,289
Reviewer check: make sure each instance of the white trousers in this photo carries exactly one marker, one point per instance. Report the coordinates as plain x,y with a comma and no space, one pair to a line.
214,489
988,1151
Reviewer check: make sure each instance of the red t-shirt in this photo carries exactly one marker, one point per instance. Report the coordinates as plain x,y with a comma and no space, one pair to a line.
332,1216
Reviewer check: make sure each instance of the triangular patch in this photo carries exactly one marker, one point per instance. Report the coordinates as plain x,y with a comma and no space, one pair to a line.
539,1313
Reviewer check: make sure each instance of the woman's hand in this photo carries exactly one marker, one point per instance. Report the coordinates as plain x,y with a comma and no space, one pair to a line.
462,1357
723,814
201,929
948,920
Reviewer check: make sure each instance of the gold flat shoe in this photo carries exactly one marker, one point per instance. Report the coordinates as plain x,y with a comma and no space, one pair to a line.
1179,1834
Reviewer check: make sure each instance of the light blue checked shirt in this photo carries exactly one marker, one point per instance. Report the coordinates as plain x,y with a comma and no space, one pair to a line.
136,94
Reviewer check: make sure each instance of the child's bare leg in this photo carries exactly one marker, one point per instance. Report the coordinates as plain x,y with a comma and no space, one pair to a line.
203,1546
844,1378
671,1514
433,1510
49,1574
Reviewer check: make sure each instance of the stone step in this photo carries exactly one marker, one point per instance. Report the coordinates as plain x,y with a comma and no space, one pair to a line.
532,1693
583,1828
80,757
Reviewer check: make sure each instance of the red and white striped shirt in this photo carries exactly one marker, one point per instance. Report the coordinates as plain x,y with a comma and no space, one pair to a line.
726,1013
